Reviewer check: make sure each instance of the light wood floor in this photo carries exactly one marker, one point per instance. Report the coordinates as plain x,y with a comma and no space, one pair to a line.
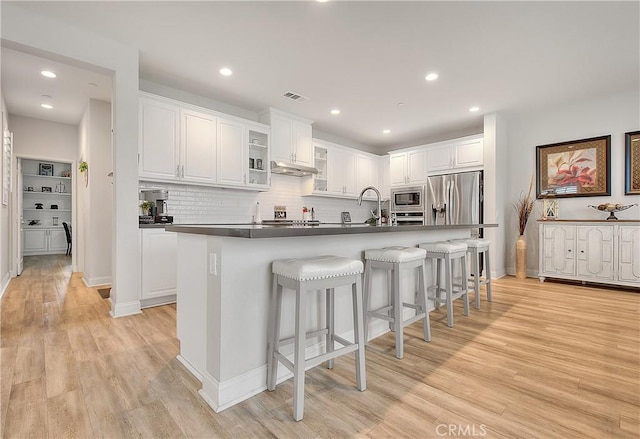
542,361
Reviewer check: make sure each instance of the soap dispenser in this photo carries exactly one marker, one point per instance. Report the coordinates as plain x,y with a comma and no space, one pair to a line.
257,217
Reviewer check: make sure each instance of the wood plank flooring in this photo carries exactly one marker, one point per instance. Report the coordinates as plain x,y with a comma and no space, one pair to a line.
543,360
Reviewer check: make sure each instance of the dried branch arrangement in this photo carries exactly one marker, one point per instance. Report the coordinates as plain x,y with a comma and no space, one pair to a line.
524,207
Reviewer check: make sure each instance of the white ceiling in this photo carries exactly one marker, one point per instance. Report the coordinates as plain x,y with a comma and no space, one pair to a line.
366,57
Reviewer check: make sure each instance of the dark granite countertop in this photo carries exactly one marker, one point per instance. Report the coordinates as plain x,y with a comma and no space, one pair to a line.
153,226
278,231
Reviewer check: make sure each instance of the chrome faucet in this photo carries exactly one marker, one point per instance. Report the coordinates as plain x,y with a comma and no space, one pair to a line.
379,216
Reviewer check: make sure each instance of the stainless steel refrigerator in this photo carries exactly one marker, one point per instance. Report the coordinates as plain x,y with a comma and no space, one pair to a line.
454,199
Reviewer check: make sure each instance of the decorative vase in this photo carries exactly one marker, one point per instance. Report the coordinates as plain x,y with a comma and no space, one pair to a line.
521,258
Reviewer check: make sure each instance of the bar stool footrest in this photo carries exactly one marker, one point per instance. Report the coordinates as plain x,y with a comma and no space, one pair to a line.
312,334
312,362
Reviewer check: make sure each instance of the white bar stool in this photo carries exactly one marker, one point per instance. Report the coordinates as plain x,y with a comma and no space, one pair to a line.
394,259
476,247
448,252
308,275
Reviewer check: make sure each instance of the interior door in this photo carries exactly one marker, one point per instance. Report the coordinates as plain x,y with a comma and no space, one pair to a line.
20,219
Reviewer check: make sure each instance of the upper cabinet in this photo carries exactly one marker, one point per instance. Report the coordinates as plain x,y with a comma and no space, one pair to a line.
186,144
342,172
197,147
408,167
453,155
232,169
159,127
291,140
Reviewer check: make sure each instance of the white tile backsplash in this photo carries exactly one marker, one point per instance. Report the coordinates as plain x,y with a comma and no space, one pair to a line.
201,205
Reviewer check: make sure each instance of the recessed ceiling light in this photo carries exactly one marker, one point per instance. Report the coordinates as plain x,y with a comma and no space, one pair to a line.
400,104
48,74
226,71
386,131
46,106
46,96
335,111
322,1
431,77
474,109
93,84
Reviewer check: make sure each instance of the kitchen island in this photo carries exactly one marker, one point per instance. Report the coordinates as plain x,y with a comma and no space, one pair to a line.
224,283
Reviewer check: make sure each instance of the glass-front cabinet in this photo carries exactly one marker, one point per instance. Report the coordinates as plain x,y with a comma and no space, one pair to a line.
259,164
320,163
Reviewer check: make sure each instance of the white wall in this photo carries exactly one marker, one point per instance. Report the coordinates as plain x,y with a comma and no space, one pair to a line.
97,200
36,138
5,220
612,115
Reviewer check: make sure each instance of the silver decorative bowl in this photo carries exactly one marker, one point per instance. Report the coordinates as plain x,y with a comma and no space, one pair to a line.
612,208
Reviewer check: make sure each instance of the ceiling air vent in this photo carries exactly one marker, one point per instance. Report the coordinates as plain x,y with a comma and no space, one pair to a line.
295,97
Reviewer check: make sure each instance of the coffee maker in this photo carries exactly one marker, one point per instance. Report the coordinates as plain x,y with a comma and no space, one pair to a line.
159,213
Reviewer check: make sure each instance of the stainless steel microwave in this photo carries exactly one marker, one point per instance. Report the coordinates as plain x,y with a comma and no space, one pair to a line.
407,199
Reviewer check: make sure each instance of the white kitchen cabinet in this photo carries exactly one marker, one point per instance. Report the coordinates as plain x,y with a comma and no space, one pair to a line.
258,151
341,172
590,251
158,266
455,155
232,166
182,143
198,147
291,137
176,144
159,141
44,241
408,167
367,175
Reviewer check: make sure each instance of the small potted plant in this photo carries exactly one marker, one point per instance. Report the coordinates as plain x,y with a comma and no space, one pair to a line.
84,170
146,207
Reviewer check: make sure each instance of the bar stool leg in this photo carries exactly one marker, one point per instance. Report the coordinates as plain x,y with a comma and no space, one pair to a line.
274,334
390,281
423,302
299,348
465,286
330,323
438,282
487,275
449,291
397,310
475,261
358,337
367,298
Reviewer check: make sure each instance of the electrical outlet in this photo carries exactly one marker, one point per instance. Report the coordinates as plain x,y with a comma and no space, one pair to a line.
213,264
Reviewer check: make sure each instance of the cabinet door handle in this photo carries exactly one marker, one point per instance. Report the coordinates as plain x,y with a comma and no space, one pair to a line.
178,171
182,171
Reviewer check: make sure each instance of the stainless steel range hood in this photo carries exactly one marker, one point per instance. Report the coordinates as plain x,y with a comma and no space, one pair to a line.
292,169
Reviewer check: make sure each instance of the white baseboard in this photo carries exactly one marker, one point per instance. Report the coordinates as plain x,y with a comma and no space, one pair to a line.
189,367
157,301
93,282
4,283
125,309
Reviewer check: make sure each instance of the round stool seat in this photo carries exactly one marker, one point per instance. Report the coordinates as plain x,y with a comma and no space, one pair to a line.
444,247
319,267
474,243
395,254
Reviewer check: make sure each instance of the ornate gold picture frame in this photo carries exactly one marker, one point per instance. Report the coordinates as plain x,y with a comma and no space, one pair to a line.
632,163
580,168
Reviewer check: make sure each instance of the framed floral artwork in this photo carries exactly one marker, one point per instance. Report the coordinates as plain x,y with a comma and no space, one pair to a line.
632,163
580,168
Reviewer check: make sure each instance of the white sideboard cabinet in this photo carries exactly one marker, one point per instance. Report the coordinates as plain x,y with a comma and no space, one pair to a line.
591,251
